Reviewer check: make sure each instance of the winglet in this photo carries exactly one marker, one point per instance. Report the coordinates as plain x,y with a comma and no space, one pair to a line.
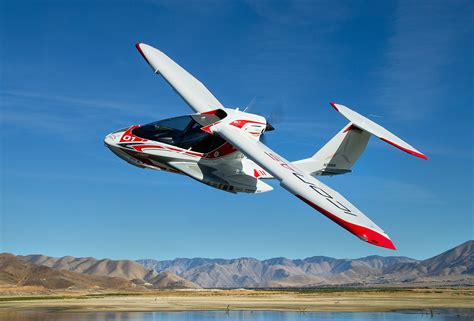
375,129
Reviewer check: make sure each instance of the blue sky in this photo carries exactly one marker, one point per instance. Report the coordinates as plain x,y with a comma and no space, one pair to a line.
70,74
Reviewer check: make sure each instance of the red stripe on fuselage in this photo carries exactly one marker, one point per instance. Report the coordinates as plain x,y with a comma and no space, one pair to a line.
140,148
242,122
223,150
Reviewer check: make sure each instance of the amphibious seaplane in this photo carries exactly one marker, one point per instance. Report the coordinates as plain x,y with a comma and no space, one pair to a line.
221,147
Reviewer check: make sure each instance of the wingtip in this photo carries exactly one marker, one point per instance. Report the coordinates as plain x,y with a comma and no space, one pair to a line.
392,247
137,45
420,155
387,243
364,233
376,239
333,104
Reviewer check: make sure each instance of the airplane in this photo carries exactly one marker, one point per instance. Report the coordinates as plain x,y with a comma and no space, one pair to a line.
222,147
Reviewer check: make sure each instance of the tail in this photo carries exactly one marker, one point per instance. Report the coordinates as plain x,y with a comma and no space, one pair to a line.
343,150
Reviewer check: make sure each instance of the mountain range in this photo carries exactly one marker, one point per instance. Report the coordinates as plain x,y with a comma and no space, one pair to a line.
34,274
17,274
454,267
41,273
121,269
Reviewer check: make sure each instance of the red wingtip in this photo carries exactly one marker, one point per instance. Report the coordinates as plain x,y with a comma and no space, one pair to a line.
364,233
333,104
382,241
137,45
411,152
391,247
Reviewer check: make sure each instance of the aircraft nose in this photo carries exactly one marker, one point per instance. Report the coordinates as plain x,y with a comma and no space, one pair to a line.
111,139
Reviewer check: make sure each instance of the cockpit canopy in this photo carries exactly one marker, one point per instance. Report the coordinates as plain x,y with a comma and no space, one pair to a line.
183,131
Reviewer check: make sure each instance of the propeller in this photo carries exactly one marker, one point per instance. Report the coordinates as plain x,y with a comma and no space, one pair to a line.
274,117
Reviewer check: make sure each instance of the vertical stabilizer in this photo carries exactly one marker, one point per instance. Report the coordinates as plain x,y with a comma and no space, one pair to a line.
339,154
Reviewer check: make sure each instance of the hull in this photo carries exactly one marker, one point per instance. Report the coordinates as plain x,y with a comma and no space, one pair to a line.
224,167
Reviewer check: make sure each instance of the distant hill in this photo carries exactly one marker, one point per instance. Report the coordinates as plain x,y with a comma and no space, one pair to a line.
450,265
453,267
457,261
124,269
18,273
276,272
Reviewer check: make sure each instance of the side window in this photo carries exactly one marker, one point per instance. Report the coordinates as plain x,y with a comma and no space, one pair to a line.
208,143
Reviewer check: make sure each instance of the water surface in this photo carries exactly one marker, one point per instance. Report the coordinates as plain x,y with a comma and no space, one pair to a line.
415,315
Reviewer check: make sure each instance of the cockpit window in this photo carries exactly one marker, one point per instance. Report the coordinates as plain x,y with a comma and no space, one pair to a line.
183,132
177,123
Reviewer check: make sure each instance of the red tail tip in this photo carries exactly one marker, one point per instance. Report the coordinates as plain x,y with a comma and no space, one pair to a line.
333,104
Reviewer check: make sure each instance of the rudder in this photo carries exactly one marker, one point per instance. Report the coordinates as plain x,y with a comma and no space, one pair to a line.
339,154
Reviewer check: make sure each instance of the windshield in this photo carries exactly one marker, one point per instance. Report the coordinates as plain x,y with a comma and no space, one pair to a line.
183,132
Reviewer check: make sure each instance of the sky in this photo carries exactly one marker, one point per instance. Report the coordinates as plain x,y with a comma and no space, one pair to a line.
70,74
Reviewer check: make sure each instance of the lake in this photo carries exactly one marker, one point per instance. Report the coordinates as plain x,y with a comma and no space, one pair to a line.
415,315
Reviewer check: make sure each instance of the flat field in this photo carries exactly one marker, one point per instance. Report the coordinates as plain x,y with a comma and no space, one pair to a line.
353,300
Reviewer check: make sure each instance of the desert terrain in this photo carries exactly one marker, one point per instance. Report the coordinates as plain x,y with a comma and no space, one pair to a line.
39,282
350,300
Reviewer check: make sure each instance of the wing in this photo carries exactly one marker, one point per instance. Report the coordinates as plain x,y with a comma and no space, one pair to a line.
307,188
194,93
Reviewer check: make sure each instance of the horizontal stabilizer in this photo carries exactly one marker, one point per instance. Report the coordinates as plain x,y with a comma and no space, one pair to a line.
369,126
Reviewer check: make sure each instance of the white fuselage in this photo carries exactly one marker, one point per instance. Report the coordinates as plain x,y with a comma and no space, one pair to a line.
185,145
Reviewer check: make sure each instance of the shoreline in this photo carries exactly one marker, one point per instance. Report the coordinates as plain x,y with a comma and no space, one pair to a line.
245,300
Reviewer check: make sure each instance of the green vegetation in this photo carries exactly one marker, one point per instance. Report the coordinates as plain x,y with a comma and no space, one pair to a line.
32,298
338,289
69,297
103,295
258,291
